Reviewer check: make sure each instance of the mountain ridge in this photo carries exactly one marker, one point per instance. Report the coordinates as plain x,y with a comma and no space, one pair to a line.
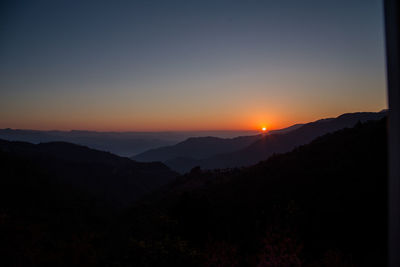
261,148
118,179
281,143
328,195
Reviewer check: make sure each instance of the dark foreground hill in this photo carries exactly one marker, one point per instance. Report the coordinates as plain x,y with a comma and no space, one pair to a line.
323,204
265,146
104,175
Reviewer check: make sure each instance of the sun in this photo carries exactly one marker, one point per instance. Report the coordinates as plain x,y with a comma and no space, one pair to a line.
264,129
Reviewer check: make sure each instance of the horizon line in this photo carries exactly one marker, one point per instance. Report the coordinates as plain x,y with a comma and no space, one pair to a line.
182,131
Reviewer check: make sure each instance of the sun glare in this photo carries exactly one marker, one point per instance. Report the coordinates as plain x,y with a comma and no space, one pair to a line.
264,129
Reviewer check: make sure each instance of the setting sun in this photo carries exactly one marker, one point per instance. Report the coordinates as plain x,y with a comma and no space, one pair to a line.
264,129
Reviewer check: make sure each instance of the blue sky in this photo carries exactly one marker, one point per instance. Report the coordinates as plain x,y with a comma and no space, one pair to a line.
188,65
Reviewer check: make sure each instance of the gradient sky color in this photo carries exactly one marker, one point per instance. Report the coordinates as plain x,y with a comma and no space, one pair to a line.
188,65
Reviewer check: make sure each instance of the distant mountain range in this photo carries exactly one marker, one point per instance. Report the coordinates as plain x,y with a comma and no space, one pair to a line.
197,148
116,180
119,143
212,153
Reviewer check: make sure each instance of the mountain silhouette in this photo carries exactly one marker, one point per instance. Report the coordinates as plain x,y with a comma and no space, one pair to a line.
322,204
101,174
260,148
120,143
197,148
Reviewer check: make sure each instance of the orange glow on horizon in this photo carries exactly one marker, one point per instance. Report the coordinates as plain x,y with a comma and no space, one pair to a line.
247,120
127,124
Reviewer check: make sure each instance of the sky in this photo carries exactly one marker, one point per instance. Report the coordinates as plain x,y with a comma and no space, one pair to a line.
188,65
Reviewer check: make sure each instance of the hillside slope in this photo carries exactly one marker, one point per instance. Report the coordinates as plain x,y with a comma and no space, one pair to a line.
323,204
196,148
219,153
98,173
281,143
